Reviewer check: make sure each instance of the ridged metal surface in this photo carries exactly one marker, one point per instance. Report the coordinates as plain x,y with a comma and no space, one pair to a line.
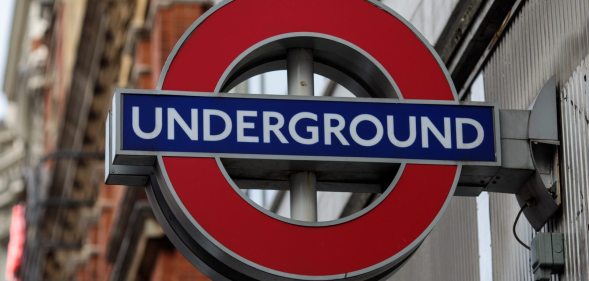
575,146
510,259
548,38
450,252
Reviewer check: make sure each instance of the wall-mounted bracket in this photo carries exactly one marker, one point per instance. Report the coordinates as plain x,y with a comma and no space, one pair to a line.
529,159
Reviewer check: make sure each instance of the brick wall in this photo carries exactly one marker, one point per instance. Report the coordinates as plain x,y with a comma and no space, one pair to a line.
170,21
172,266
96,266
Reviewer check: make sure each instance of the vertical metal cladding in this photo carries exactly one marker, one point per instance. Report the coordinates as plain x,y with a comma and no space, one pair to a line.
510,259
548,38
450,252
575,146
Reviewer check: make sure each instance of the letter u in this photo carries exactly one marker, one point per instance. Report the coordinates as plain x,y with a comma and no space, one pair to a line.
158,124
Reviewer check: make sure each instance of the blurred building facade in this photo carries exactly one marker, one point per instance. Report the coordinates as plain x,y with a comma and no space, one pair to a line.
67,57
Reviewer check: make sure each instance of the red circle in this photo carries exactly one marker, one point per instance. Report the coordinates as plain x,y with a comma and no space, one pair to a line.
371,239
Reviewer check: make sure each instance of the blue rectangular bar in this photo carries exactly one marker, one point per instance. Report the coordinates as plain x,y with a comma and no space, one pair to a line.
289,127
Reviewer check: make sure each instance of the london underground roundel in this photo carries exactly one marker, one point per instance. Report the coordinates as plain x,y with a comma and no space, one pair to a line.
173,138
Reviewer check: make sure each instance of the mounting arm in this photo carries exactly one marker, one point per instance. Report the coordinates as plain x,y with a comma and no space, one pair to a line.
529,159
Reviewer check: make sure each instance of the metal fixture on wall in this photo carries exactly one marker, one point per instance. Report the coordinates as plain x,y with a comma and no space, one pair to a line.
547,255
529,159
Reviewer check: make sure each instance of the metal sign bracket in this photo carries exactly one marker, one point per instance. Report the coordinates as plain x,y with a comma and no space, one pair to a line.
529,159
